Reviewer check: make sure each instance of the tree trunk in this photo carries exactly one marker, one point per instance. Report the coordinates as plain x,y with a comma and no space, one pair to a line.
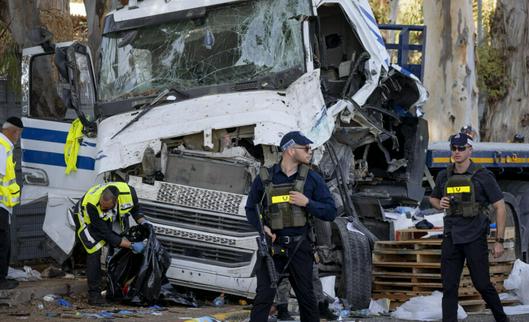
21,17
510,35
95,12
450,72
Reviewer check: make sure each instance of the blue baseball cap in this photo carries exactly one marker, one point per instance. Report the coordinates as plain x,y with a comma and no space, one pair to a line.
461,139
292,138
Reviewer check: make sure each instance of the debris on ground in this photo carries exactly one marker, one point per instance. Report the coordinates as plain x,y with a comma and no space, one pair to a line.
52,271
25,274
425,308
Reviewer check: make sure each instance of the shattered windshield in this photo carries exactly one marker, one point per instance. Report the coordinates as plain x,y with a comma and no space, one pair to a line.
229,44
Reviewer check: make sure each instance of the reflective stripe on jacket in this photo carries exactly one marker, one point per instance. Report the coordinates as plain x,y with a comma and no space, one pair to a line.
9,189
125,204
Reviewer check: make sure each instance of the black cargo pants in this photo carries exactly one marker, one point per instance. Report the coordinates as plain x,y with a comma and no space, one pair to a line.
452,260
5,243
300,276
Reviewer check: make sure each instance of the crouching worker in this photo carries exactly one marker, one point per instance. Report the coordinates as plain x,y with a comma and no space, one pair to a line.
99,216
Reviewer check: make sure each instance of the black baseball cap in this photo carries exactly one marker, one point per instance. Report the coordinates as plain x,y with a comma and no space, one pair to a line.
461,139
15,121
294,137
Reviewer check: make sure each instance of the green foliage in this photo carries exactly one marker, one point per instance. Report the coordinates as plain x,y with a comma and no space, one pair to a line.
492,73
410,12
9,59
380,10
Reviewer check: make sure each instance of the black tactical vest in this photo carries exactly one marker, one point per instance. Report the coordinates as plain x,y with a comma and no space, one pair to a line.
279,213
460,189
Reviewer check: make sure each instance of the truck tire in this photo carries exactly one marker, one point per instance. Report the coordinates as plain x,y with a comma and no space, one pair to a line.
355,282
519,213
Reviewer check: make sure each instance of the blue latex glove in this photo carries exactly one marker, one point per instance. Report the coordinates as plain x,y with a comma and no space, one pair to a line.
138,247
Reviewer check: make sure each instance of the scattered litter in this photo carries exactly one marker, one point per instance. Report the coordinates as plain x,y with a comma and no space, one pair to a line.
516,309
508,297
344,313
243,302
203,319
327,284
64,303
69,276
40,306
425,308
363,313
233,316
518,281
113,314
51,272
219,300
50,297
76,315
378,307
27,274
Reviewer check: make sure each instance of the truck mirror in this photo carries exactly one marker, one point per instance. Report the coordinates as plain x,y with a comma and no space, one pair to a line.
78,69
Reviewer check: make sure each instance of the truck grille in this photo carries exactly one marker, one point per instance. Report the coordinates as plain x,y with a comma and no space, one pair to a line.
208,254
198,198
227,225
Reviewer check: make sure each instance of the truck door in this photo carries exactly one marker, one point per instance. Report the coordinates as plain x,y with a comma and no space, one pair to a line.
57,89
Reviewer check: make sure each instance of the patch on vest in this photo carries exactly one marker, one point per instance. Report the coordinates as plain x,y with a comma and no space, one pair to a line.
460,189
280,199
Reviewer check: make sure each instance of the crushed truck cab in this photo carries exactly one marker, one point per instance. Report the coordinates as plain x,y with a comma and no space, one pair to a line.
192,97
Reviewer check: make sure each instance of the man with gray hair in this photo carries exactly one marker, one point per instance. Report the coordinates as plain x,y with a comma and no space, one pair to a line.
9,194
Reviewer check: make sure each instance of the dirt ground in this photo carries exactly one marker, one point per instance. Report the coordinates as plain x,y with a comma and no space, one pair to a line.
50,311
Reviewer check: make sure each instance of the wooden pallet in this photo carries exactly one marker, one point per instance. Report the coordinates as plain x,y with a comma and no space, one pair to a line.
414,233
408,268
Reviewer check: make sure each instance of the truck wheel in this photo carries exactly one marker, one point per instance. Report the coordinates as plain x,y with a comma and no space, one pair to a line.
323,231
510,223
354,283
519,211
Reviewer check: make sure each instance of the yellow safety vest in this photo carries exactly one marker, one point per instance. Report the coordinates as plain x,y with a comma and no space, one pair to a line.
71,148
92,196
9,190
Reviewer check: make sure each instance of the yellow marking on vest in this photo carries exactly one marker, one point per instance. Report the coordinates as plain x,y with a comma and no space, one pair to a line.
280,199
502,159
461,189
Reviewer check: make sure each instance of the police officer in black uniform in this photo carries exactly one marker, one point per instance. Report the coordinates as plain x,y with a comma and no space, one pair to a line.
289,193
466,192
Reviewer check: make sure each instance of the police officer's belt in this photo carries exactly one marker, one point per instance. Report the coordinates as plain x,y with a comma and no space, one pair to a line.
287,240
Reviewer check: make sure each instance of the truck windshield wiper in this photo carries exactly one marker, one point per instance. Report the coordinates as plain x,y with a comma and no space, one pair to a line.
150,106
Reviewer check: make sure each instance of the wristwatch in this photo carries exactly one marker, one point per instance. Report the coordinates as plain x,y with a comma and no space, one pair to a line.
500,240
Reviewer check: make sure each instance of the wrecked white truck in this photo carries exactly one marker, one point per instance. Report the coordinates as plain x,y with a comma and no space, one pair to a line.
193,96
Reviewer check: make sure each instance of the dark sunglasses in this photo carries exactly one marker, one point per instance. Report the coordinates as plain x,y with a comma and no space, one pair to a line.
306,148
458,148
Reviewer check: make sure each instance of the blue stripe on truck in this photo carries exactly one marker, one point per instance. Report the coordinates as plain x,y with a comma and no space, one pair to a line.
55,159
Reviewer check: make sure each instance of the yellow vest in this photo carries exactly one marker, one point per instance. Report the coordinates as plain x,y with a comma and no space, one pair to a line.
92,196
9,190
71,148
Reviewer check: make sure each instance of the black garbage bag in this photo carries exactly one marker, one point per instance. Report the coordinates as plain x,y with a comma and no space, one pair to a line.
138,278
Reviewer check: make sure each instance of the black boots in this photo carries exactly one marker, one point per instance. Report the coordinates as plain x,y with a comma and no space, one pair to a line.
325,313
282,313
8,284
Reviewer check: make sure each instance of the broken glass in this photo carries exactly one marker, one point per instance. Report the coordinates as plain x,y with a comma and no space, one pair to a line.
230,44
